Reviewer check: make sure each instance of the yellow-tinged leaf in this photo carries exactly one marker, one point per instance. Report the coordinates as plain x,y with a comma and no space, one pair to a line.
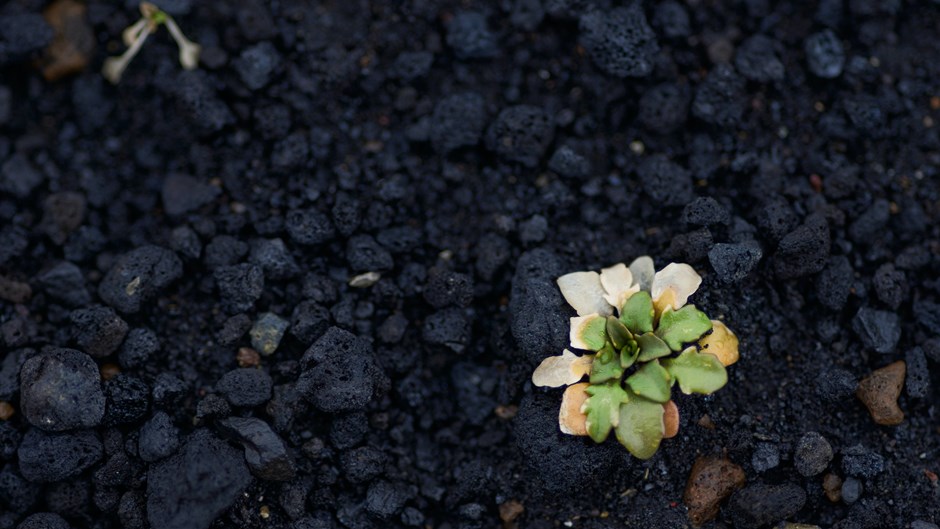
721,343
571,419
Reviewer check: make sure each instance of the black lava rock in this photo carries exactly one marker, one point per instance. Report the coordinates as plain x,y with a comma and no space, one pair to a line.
733,262
192,488
98,330
851,490
493,251
458,121
127,399
619,41
721,98
470,37
448,327
813,454
671,19
521,134
890,285
835,384
917,383
445,287
64,282
878,329
44,520
60,389
776,218
245,387
363,464
566,162
274,259
411,65
538,313
18,176
760,504
339,372
138,347
239,286
17,494
805,250
385,499
364,254
158,439
256,64
858,461
824,54
556,462
266,454
138,276
224,250
866,227
309,226
309,321
765,457
349,430
834,284
664,181
705,211
47,457
664,107
22,34
182,194
756,58
185,241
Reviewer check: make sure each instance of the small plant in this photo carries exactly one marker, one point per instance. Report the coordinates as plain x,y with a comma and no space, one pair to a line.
152,17
644,339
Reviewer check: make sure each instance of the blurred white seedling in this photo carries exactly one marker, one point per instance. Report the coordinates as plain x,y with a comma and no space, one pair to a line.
136,34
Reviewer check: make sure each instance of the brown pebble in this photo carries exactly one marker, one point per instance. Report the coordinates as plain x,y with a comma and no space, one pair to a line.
509,512
14,291
109,371
879,392
506,412
712,480
6,410
670,420
74,42
706,422
248,357
832,484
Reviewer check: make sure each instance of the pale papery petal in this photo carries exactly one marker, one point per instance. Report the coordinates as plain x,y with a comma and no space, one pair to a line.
562,370
587,332
676,282
583,291
643,271
617,282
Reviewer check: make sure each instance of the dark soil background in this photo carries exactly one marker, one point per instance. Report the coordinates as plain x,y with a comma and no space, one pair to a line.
469,153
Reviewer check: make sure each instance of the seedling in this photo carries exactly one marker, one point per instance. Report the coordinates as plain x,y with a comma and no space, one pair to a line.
639,338
135,35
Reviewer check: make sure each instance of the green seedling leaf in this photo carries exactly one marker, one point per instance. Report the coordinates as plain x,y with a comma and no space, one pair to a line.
677,327
617,333
651,381
640,428
606,365
637,313
697,372
602,409
588,332
651,346
628,356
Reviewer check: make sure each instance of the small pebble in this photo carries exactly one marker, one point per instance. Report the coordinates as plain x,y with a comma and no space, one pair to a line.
879,392
832,485
878,329
267,332
813,454
710,482
248,357
766,456
859,461
851,490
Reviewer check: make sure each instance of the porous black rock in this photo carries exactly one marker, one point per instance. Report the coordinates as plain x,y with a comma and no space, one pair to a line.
98,330
619,41
760,504
521,134
878,329
805,250
139,276
812,455
721,98
44,520
538,312
158,438
239,286
734,261
458,121
65,282
193,487
182,193
60,389
245,386
667,182
45,457
824,54
339,372
127,399
266,454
